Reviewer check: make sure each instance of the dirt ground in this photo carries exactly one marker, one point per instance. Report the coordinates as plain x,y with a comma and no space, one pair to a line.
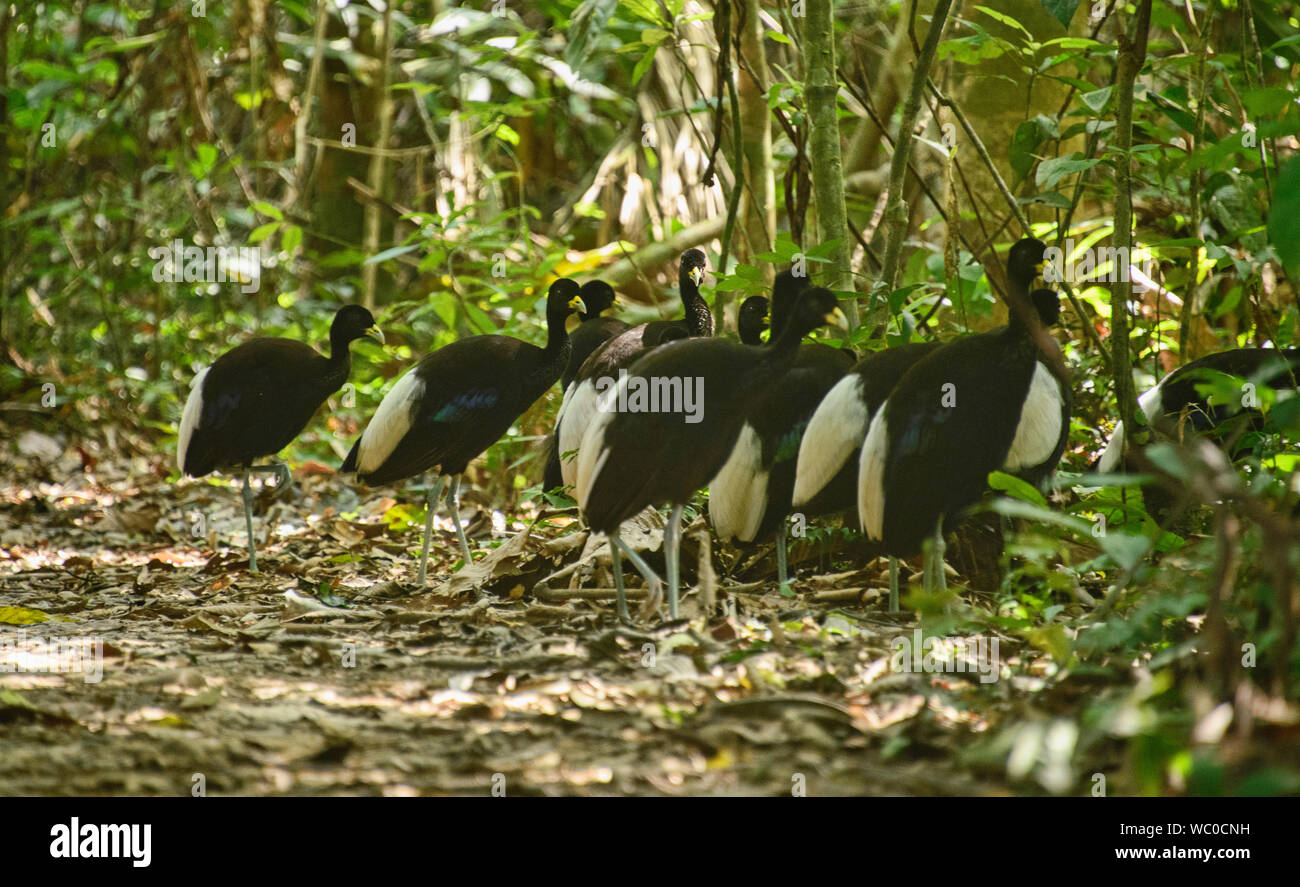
330,672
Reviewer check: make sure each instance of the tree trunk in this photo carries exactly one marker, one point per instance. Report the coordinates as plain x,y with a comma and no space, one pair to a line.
756,127
1132,53
821,88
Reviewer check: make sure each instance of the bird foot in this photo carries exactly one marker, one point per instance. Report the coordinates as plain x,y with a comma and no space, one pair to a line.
654,599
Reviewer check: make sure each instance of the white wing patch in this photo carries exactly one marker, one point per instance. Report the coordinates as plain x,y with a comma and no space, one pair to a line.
591,451
836,429
1039,429
738,495
576,412
1109,460
390,423
1151,404
871,476
190,417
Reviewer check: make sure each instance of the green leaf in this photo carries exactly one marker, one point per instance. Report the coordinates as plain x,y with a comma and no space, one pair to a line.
1053,170
127,44
1097,99
1024,143
588,22
1054,199
261,232
1267,102
391,253
269,210
1061,10
1284,216
1005,19
643,65
1014,486
22,616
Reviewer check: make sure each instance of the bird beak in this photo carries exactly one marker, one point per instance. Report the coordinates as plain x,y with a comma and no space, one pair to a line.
767,321
375,333
835,317
697,275
577,304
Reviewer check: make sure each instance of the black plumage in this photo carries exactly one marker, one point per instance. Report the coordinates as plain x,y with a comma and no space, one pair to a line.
750,497
257,397
621,351
752,320
984,403
592,331
456,403
826,478
630,459
1176,395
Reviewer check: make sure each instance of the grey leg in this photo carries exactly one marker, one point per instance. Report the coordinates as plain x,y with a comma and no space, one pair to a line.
672,557
430,506
782,571
453,496
651,577
248,522
616,560
893,584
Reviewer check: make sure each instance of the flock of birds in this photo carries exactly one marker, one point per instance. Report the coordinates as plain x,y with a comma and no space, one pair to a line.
906,435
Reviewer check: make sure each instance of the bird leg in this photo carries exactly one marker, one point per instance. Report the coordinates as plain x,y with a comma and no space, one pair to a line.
248,521
430,506
616,561
782,573
893,584
672,557
453,497
283,478
653,582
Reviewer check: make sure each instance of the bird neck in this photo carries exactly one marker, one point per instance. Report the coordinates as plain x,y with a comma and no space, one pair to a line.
786,342
340,351
339,363
1022,316
558,345
698,316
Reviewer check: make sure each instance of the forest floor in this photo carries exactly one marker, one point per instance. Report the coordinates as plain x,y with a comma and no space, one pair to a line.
331,672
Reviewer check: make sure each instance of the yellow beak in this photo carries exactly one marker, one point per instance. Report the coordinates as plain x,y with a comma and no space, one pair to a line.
835,317
375,333
577,304
697,275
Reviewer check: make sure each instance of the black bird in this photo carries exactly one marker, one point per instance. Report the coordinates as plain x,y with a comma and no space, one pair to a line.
750,497
826,477
752,319
637,452
977,405
259,396
1176,392
826,480
456,403
592,331
618,353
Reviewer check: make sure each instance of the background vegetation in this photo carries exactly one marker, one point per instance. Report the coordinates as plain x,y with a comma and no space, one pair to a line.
441,163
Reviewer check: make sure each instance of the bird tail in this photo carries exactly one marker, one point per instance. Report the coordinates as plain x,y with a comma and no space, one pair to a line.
1110,456
349,465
